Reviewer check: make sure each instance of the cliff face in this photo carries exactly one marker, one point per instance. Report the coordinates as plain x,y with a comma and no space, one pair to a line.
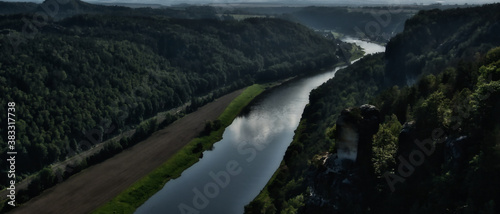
347,135
355,128
344,177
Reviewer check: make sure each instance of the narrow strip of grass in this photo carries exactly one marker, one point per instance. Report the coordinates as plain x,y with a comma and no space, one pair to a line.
130,199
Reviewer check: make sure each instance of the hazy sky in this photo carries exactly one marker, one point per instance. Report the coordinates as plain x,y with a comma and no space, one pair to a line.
312,2
291,2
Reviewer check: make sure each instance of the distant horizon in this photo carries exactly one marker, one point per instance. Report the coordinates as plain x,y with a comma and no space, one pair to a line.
282,2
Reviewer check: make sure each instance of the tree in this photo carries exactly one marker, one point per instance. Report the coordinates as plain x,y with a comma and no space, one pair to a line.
47,178
385,145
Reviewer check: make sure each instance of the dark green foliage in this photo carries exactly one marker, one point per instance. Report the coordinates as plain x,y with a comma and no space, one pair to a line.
87,78
110,149
453,89
385,144
438,184
434,39
211,126
45,179
457,177
169,119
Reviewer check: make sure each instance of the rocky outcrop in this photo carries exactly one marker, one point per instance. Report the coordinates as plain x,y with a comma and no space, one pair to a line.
344,176
355,129
347,136
456,151
406,138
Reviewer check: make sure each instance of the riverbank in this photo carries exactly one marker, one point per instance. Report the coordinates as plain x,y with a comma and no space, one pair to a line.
70,163
139,192
265,201
102,182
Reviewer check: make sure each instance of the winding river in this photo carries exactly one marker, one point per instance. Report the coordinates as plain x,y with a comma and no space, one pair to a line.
232,174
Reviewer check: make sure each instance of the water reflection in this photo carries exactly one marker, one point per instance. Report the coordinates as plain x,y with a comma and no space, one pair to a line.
239,166
272,116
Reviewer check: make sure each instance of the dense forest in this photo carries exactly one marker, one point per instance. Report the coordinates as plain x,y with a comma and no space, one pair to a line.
83,79
428,143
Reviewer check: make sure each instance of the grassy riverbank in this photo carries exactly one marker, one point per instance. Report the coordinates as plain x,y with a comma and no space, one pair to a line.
142,190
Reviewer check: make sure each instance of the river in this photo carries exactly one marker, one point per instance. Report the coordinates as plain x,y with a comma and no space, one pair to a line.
232,174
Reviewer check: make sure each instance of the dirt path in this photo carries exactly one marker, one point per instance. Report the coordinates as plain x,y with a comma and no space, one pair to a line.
98,184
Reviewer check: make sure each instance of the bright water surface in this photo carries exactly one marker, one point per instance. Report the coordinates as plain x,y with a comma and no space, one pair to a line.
240,165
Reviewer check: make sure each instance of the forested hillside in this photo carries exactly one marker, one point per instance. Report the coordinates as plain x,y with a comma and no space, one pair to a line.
377,23
437,83
435,39
83,79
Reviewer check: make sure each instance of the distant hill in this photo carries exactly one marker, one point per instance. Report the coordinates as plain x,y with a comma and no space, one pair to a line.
377,22
131,5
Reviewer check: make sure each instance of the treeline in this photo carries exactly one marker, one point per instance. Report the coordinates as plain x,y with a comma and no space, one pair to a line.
48,177
452,89
84,79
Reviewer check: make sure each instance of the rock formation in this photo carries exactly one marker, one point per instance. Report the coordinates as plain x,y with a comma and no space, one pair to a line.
346,175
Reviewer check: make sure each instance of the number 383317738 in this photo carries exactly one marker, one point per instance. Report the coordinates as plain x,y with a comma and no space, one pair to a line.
11,123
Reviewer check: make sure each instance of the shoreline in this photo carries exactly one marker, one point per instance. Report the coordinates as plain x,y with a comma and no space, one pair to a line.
100,183
127,201
49,193
263,196
138,193
75,159
266,86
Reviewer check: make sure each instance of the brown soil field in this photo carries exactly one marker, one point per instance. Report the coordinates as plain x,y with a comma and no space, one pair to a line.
93,187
